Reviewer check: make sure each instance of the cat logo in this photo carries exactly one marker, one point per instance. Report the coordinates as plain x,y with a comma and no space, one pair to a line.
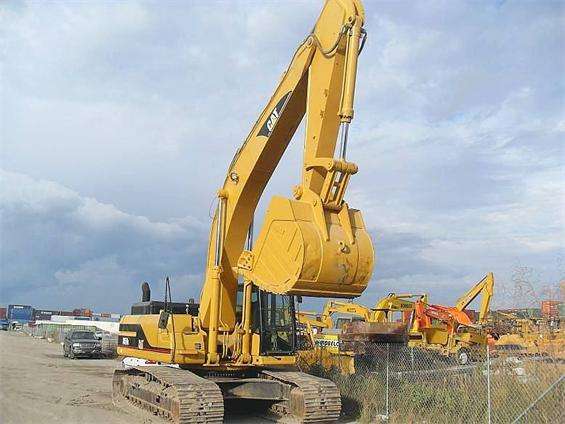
271,121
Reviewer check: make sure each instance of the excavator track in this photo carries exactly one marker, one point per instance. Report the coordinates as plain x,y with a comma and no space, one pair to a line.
171,393
312,399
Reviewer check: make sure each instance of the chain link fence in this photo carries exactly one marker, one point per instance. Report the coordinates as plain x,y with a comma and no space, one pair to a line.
401,384
55,333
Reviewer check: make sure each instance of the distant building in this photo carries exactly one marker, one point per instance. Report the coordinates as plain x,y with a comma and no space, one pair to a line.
46,314
550,309
19,315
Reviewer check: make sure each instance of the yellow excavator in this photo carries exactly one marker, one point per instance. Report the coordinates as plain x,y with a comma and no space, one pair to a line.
334,343
239,342
518,335
382,311
320,329
382,324
448,329
485,289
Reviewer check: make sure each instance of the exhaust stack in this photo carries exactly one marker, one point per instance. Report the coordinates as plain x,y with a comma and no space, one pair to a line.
145,292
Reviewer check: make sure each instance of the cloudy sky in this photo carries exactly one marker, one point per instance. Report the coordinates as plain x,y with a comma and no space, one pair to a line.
119,119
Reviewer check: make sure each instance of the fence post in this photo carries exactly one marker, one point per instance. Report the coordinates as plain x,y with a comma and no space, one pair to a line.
488,387
387,382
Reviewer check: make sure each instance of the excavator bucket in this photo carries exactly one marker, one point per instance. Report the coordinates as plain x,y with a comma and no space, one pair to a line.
302,250
357,334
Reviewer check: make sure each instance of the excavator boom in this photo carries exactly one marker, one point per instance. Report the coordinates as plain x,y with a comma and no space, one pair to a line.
485,288
314,244
395,302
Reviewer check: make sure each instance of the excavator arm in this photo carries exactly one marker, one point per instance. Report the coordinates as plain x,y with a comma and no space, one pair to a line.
485,289
310,321
314,244
451,317
324,320
395,302
347,308
392,302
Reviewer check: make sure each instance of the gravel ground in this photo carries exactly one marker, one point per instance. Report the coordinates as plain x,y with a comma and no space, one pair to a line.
39,385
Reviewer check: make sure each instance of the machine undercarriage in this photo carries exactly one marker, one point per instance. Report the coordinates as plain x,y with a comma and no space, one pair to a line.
184,396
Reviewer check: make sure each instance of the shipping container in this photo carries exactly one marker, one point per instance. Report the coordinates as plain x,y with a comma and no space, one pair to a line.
42,315
46,314
2,313
19,313
562,309
83,312
550,308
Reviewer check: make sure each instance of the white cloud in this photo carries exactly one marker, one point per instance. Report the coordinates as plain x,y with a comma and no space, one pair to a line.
60,249
120,120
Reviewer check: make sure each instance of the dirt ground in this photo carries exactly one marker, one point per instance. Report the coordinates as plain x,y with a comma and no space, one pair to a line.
39,385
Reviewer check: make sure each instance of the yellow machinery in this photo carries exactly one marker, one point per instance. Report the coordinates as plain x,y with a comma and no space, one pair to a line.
384,309
484,288
320,344
310,327
320,329
449,330
242,346
315,324
327,345
527,336
382,312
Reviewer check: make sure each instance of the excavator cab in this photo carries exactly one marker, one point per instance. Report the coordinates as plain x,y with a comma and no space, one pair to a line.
273,319
276,323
